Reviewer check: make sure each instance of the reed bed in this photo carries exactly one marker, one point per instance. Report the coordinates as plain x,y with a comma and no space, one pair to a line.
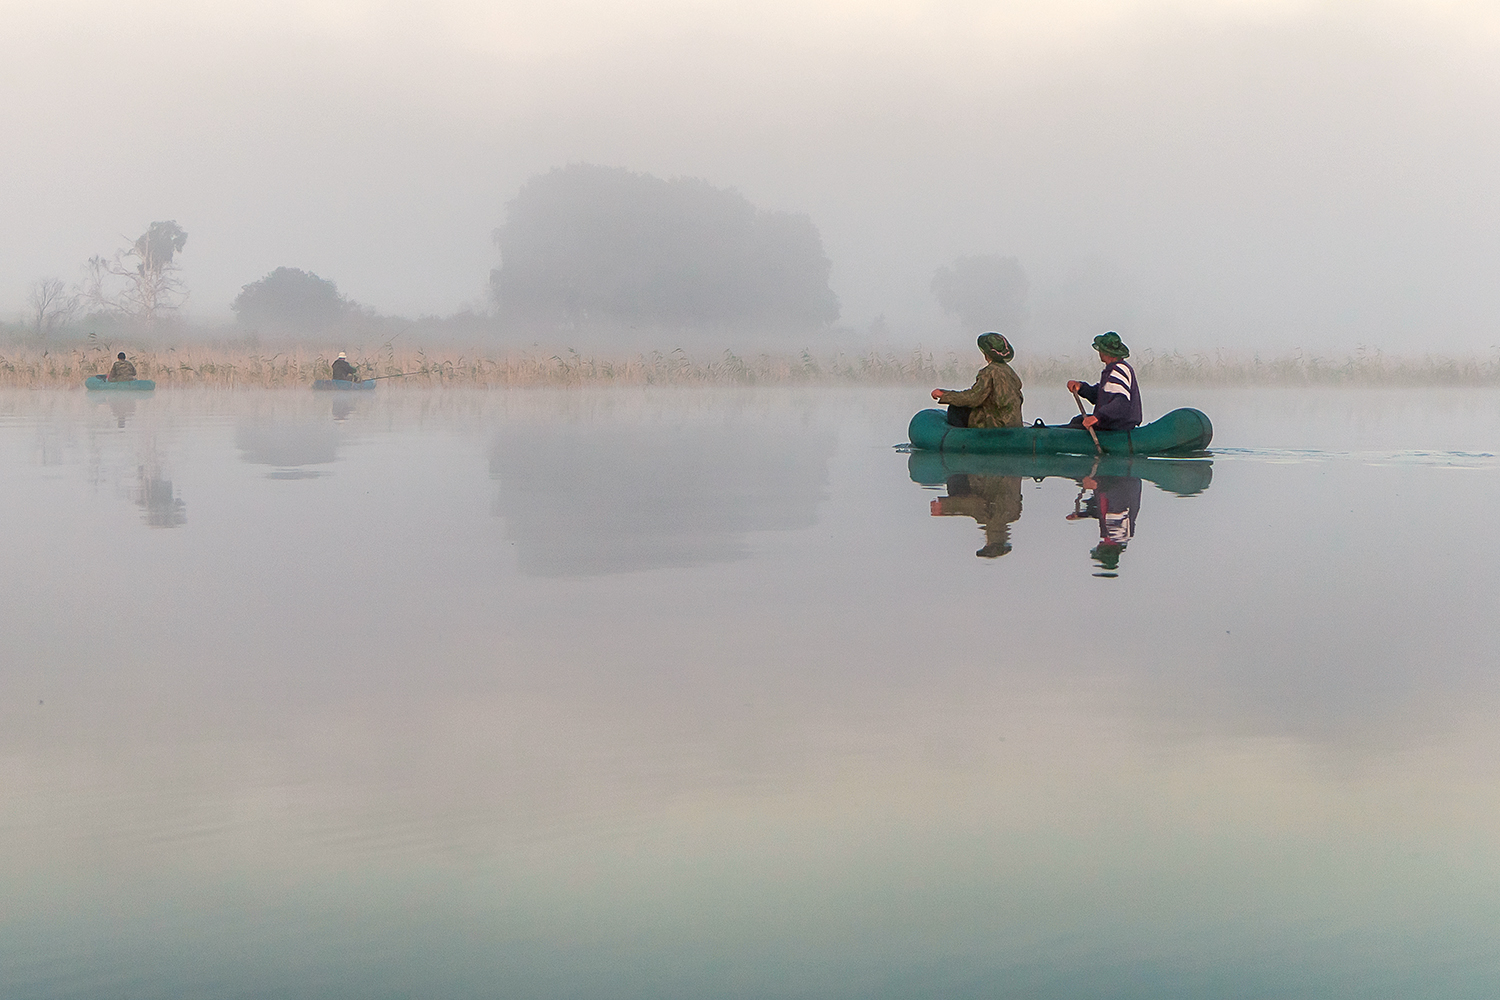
225,367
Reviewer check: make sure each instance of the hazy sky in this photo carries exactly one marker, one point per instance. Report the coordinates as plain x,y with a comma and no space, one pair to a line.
1238,172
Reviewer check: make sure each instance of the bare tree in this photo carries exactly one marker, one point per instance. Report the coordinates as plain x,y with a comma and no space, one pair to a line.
95,287
50,304
148,265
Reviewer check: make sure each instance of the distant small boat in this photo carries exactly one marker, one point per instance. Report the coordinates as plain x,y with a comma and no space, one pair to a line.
340,385
132,385
1181,432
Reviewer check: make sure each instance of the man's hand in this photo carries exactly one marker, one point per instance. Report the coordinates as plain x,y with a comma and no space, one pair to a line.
1090,420
1089,483
936,508
937,394
1074,386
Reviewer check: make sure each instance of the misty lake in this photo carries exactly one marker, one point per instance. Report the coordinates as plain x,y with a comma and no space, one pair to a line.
716,693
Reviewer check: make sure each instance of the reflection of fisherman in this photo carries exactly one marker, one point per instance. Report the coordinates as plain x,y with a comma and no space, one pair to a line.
343,371
1116,503
123,371
995,400
1117,395
123,409
993,501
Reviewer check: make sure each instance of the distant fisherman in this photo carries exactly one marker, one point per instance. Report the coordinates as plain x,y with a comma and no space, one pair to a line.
1117,395
123,371
343,371
995,399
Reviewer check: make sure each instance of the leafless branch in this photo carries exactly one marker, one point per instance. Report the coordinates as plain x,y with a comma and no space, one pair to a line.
50,305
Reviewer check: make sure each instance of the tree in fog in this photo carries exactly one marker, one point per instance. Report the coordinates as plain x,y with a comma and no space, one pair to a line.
148,270
290,299
49,305
985,291
584,243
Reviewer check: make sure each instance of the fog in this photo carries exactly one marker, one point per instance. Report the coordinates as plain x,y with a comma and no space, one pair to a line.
1236,174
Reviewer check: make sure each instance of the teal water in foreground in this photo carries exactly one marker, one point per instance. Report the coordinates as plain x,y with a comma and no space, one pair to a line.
681,693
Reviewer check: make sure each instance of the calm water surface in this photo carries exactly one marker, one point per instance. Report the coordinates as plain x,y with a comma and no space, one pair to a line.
672,693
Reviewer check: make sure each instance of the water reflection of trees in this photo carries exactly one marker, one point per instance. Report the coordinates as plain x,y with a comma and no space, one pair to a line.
988,489
582,501
288,446
154,494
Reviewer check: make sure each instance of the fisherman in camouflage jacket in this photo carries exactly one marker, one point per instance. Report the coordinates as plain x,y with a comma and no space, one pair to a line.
123,371
995,400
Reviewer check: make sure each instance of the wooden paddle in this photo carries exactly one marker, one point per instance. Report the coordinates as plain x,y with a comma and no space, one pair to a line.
1097,447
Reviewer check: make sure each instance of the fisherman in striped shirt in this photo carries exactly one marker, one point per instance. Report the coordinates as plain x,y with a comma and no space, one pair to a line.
1117,396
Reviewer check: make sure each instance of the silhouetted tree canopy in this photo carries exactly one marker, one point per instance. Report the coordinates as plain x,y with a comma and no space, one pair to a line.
290,299
585,243
984,291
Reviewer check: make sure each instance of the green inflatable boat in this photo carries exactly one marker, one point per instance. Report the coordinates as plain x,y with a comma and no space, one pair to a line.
1184,477
133,385
1181,432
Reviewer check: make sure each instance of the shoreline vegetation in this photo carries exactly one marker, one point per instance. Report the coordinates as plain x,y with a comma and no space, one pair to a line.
226,366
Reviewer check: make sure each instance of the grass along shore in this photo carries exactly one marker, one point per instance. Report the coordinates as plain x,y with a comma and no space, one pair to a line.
229,367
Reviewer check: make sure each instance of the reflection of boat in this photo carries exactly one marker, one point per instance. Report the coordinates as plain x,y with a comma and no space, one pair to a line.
988,489
340,385
1180,432
135,384
1183,477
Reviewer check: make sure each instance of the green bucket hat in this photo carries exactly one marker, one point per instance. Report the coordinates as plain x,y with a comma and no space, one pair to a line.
996,347
1107,555
1111,344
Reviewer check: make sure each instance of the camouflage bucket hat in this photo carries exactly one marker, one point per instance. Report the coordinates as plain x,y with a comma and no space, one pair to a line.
1111,344
996,347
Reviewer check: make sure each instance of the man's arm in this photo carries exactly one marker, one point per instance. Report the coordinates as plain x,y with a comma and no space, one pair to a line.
969,397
